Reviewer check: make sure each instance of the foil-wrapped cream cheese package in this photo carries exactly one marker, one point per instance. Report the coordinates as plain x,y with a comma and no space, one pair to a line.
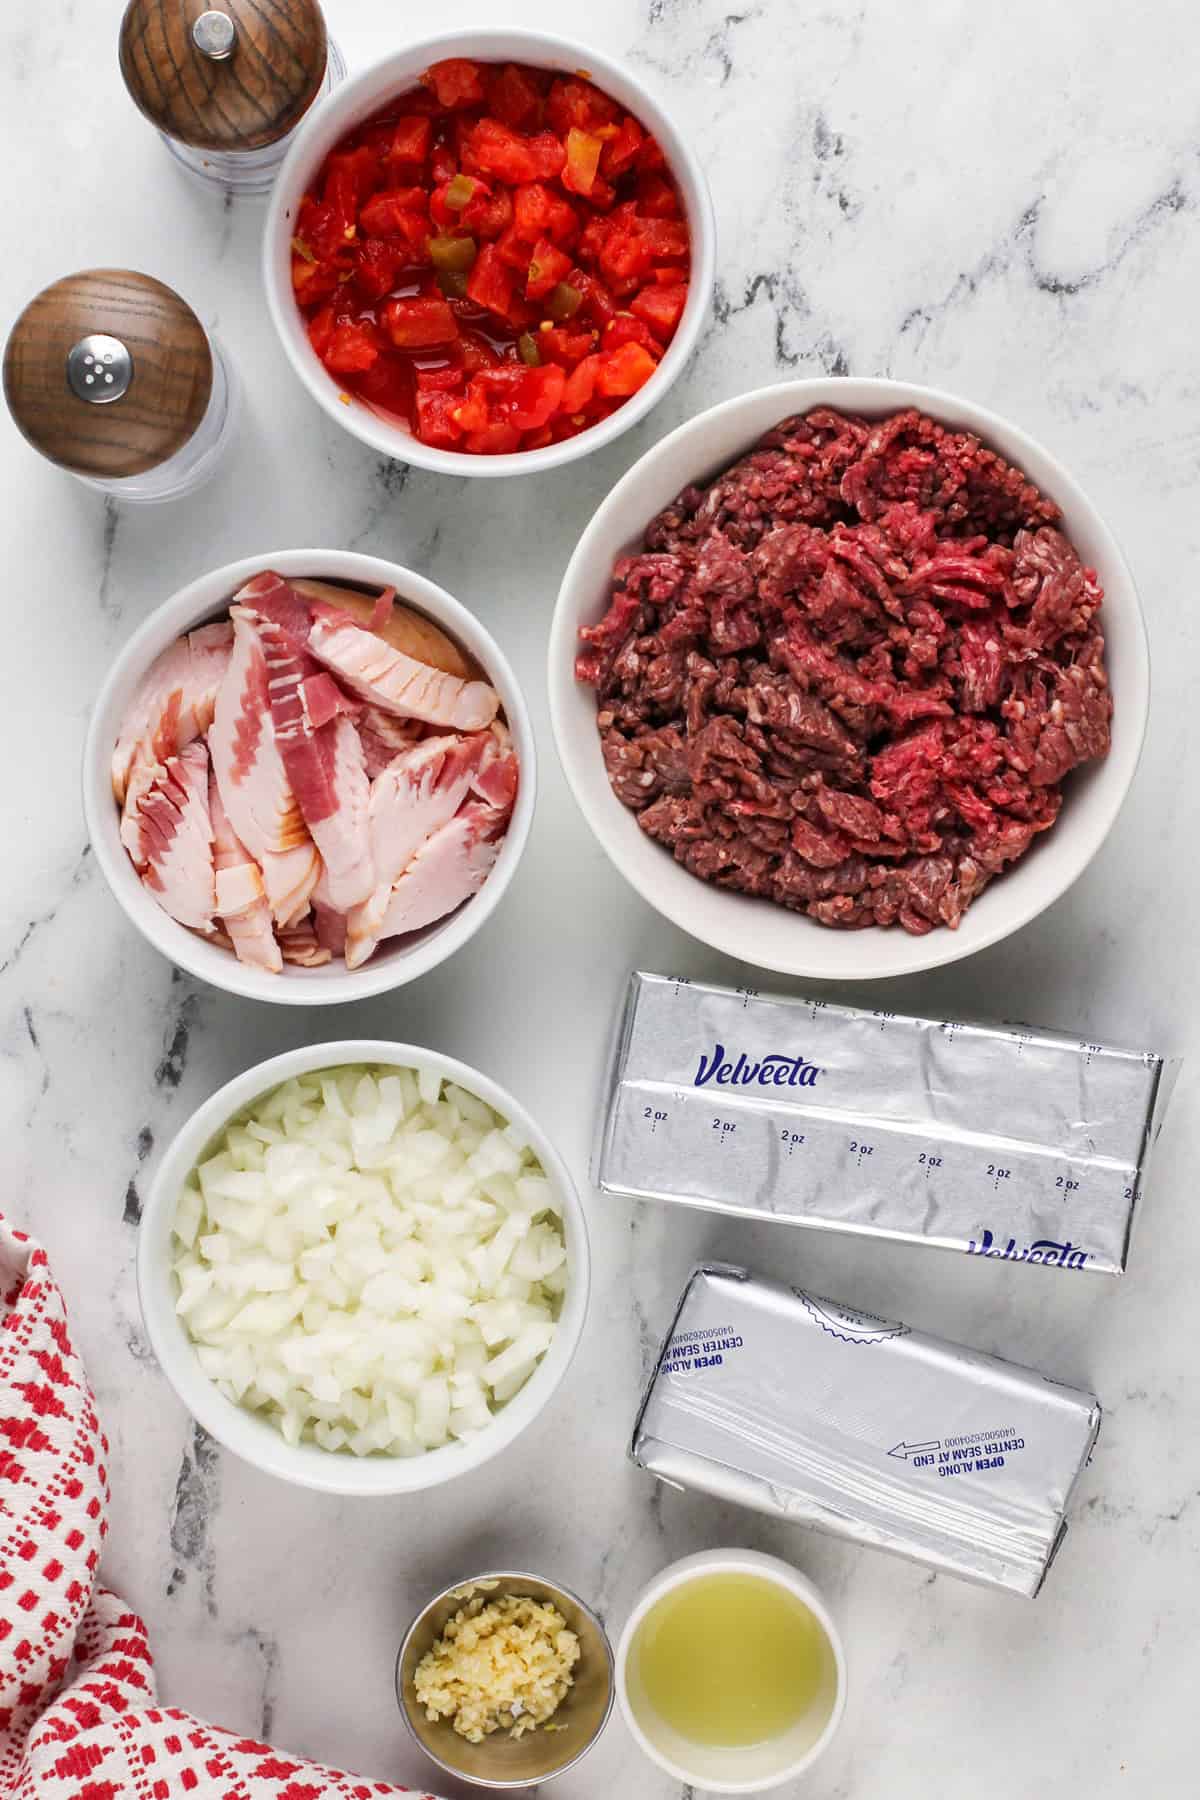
798,1407
999,1141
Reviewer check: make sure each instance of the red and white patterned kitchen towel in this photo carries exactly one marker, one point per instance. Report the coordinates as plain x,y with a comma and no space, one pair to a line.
78,1716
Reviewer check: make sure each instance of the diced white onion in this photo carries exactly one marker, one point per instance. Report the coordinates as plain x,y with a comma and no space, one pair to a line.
372,1261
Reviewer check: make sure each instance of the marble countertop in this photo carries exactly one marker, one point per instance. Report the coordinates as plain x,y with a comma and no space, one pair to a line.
997,200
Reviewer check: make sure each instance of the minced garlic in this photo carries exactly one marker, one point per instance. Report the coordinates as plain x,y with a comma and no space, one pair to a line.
500,1665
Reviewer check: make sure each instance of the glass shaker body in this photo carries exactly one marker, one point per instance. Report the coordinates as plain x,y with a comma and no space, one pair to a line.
110,375
197,460
249,172
227,87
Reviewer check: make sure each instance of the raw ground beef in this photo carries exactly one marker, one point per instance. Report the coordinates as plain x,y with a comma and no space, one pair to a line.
851,673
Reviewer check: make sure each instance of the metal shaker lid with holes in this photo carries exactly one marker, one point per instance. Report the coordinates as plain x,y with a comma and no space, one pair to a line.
233,75
108,373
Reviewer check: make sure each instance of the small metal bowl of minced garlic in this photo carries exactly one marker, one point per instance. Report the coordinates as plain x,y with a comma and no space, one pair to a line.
505,1680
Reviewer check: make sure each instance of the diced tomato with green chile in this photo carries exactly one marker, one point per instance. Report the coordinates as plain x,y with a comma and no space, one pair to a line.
353,348
661,308
456,82
451,197
538,211
378,217
502,154
490,283
620,150
350,176
410,142
377,267
488,215
435,421
581,385
515,252
558,277
626,329
312,281
574,102
420,323
546,268
657,197
561,344
515,98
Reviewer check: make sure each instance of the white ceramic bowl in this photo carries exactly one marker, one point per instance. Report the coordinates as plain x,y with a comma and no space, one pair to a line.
361,96
753,1768
253,1438
758,931
392,965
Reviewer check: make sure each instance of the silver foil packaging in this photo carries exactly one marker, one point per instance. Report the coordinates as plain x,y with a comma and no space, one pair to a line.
1002,1142
800,1408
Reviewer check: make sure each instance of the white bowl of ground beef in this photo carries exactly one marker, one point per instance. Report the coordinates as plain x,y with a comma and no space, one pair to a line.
823,798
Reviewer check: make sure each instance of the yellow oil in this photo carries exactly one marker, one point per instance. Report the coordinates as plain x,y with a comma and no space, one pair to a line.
730,1659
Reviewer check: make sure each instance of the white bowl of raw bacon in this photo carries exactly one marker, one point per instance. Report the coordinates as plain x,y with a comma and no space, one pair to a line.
849,653
309,777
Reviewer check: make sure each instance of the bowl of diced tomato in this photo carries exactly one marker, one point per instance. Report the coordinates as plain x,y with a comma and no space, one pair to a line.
489,253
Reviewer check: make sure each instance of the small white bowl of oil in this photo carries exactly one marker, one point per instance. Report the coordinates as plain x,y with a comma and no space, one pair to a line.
730,1672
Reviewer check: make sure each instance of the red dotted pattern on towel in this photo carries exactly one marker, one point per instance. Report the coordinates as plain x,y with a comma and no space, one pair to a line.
78,1719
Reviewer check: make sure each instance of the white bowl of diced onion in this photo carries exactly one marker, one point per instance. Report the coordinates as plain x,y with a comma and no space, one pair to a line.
351,1267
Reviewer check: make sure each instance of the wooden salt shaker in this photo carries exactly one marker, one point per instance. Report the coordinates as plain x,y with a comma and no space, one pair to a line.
109,374
227,83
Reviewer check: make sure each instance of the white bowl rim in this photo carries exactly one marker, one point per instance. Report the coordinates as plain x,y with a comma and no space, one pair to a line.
733,1562
493,44
189,607
835,955
253,1439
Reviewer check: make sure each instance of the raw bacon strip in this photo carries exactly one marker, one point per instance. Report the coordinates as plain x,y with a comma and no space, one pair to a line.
321,700
334,794
448,868
320,749
330,927
301,945
329,922
241,898
398,683
249,768
384,737
276,599
170,839
495,778
255,789
401,627
420,791
381,612
145,772
289,880
173,703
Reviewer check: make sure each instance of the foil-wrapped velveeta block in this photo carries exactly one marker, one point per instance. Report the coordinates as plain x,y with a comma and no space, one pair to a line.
1005,1142
800,1408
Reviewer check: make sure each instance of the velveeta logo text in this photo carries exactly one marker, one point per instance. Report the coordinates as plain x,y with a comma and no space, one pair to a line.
763,1071
1044,1250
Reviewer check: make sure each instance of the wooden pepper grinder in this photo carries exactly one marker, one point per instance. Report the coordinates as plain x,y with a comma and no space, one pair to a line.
227,83
111,375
